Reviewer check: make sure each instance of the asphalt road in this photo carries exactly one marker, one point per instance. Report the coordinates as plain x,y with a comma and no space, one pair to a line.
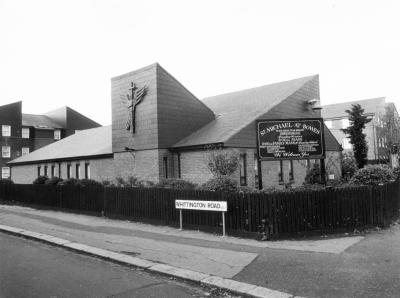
368,269
33,269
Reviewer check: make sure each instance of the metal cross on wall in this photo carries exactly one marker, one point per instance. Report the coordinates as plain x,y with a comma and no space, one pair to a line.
133,99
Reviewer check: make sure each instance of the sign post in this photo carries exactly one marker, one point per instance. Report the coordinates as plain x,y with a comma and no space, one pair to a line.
202,205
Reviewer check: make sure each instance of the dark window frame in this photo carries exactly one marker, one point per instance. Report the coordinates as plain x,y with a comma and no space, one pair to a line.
77,171
179,166
165,167
291,171
280,173
243,178
68,171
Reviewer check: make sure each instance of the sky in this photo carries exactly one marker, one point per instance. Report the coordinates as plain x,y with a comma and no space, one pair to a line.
64,53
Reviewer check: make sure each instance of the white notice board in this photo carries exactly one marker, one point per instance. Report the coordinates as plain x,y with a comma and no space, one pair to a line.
202,205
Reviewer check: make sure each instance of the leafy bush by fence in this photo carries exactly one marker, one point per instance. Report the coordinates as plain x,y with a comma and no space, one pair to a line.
278,213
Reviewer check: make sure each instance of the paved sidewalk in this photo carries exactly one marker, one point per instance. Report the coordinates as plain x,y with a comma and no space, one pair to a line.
232,263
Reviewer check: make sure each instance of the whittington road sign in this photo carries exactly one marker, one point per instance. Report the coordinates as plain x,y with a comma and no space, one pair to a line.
201,205
290,139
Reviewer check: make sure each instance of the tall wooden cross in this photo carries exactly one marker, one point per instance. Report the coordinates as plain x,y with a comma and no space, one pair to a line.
132,101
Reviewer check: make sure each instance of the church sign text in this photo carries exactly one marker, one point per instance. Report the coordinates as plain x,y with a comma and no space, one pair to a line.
290,139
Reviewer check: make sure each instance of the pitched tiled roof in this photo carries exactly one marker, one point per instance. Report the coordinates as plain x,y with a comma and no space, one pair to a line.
90,142
338,110
234,111
38,121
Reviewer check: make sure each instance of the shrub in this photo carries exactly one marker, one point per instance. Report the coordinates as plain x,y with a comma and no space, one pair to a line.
69,181
223,163
221,183
6,181
337,182
175,184
372,175
396,173
246,189
41,180
313,175
88,182
107,183
349,164
120,181
54,180
132,181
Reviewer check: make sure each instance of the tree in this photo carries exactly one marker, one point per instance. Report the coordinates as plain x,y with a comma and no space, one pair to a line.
356,135
387,131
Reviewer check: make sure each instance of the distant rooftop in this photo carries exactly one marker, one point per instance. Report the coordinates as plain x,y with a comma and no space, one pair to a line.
338,110
39,121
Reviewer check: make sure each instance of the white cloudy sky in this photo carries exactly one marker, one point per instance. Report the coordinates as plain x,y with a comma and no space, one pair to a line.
57,53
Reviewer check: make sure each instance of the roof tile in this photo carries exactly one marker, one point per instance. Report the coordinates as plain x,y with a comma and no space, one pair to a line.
89,142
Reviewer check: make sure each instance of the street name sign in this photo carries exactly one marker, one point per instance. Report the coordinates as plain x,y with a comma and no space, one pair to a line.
202,205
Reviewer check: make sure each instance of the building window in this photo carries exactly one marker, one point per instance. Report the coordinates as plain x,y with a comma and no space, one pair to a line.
6,152
165,167
53,170
256,169
45,170
280,171
25,151
38,171
243,169
5,172
68,171
25,133
346,144
345,123
77,171
57,134
179,165
87,170
6,131
291,176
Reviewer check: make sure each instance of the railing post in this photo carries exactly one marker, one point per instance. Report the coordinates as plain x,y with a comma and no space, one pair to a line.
385,206
104,212
167,194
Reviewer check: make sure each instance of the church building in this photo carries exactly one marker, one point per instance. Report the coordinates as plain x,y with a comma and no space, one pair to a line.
161,130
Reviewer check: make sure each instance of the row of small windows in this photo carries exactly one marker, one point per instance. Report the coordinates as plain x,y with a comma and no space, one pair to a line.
52,171
242,169
345,123
6,151
6,132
